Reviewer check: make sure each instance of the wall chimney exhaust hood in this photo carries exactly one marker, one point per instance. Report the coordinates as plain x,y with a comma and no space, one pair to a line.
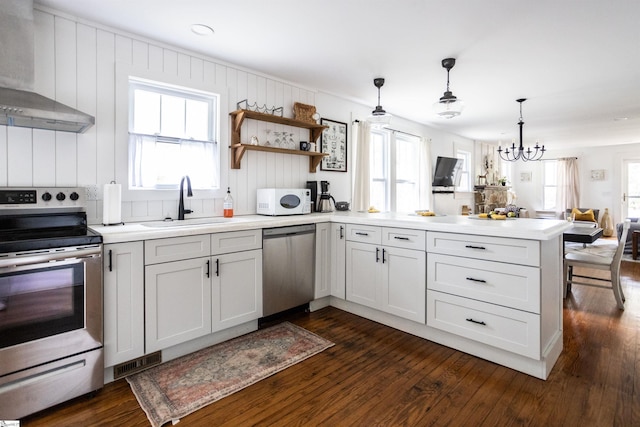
19,105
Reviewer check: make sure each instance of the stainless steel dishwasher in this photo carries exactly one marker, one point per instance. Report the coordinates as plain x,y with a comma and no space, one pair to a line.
288,267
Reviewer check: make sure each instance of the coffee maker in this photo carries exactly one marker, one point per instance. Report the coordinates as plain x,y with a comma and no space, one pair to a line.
324,202
313,187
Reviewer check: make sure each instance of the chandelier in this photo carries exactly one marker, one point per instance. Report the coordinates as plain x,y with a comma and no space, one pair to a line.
379,118
448,106
514,154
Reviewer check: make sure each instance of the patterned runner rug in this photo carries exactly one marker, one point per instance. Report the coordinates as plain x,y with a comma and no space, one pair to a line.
181,386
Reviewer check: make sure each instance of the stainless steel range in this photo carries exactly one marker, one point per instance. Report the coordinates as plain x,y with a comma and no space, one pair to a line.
50,300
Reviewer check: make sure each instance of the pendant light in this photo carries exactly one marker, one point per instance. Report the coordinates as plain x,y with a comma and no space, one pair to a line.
518,153
448,106
379,118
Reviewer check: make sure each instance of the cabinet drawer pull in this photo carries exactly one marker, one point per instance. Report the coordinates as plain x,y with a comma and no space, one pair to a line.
377,254
218,267
359,233
475,247
476,280
341,232
384,251
478,322
110,260
208,268
400,238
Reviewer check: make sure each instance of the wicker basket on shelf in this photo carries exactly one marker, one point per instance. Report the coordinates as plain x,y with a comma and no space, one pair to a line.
304,112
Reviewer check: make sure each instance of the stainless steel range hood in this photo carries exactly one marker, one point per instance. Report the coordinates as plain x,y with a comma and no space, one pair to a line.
19,105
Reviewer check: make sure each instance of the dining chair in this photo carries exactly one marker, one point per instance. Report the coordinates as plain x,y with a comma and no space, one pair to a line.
604,260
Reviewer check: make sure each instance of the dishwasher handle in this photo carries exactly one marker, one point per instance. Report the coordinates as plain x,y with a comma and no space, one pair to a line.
272,233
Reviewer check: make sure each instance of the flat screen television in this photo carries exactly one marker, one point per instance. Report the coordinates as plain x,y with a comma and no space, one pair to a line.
447,173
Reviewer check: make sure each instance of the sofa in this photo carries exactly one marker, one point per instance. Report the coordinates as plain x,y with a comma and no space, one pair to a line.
635,225
583,223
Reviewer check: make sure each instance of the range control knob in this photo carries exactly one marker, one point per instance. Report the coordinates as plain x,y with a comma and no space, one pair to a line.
46,196
60,196
74,196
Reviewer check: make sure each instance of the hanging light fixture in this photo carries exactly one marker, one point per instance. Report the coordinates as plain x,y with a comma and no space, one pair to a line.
518,153
379,117
448,106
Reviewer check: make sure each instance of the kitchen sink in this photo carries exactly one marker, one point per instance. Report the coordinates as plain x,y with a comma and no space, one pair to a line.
186,222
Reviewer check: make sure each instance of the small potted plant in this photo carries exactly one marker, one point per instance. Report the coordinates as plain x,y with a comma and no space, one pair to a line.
503,181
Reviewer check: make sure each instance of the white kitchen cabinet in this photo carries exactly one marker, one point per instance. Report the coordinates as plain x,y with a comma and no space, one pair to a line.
199,284
177,302
387,278
330,260
337,260
236,288
323,260
123,302
486,289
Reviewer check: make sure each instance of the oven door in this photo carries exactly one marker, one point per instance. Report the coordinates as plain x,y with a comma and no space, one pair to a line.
50,306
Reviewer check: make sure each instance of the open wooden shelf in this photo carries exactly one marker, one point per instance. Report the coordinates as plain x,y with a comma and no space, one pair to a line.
238,148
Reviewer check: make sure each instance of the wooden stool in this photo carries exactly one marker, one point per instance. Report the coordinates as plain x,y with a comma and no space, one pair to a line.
634,244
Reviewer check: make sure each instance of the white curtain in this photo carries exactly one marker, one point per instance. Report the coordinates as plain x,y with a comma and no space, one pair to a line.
568,189
426,197
362,169
162,161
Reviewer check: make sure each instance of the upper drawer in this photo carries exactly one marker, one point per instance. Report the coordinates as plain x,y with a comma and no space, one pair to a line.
176,248
236,241
364,234
404,238
502,249
509,285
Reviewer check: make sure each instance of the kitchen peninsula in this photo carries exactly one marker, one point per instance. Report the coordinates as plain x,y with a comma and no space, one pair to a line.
489,288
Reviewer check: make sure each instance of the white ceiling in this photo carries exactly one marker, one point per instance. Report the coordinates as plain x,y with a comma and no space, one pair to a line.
577,61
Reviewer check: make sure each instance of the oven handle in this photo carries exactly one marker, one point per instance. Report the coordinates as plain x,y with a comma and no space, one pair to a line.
50,256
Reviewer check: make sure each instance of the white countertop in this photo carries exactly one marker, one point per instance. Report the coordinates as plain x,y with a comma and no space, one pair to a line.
522,228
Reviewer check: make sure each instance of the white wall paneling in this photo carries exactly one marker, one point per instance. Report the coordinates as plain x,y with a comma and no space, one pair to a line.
75,63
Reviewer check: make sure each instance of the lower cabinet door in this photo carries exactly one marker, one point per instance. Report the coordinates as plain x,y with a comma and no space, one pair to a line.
512,330
177,302
236,288
404,291
123,302
363,274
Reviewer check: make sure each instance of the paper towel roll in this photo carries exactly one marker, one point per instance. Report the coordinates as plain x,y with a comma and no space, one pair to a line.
112,206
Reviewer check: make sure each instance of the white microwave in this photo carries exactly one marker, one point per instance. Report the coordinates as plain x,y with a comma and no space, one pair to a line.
283,201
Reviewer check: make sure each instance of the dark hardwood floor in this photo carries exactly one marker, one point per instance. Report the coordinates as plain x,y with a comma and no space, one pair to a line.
377,376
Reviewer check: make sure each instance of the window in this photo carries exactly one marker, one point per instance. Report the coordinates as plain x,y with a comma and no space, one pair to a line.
395,171
549,184
172,133
465,175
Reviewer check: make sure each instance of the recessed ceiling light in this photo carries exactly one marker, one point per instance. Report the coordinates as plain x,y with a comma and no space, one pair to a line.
620,119
202,30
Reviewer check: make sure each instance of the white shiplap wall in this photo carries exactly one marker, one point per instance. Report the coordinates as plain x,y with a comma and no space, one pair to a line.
76,63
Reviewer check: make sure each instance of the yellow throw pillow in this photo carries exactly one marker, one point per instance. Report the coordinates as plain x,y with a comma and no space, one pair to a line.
583,216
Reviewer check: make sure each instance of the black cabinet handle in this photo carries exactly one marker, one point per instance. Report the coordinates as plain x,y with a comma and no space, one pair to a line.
476,280
208,268
358,233
384,251
476,247
401,238
377,254
476,322
110,260
217,267
341,232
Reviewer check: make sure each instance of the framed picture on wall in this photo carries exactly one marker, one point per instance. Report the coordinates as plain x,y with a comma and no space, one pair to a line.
333,141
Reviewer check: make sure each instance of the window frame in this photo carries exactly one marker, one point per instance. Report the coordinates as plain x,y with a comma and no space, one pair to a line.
120,135
185,94
545,185
390,177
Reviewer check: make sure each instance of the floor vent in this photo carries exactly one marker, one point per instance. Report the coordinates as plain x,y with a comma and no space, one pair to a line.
137,365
